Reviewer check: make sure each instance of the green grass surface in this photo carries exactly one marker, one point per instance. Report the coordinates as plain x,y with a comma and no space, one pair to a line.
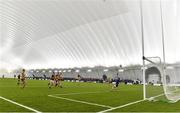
35,95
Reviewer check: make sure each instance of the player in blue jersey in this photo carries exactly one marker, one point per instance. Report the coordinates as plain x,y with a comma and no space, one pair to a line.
116,82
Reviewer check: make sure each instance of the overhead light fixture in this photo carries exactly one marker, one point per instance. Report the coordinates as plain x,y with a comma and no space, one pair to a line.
105,70
77,71
121,70
89,70
69,70
55,71
64,71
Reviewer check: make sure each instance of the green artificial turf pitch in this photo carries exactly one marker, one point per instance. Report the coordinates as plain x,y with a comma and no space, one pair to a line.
79,97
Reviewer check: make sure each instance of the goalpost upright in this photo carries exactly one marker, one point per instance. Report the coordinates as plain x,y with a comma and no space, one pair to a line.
163,43
142,36
143,50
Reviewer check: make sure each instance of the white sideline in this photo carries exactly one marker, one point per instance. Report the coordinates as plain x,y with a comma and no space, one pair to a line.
128,104
20,104
84,102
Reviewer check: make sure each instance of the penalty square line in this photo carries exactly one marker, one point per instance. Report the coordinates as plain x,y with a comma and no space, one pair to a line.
79,101
128,104
122,106
13,102
80,93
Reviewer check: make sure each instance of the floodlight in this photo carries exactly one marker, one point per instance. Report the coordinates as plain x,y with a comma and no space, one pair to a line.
89,70
121,70
55,71
106,70
69,70
77,71
64,71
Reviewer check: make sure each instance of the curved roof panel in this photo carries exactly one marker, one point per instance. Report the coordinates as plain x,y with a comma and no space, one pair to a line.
76,33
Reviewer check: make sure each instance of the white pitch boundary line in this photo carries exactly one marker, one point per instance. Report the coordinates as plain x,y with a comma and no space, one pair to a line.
20,104
125,105
81,93
86,92
78,101
122,106
155,96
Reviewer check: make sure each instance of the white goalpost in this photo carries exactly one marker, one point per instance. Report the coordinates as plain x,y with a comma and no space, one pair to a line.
159,79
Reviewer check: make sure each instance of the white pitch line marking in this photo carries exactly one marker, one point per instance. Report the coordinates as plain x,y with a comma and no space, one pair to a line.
81,93
155,97
128,104
86,92
121,106
84,102
20,104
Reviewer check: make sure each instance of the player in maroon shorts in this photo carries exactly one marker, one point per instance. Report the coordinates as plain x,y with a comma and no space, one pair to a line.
23,78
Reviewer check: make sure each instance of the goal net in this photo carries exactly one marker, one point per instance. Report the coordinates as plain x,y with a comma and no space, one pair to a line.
172,82
153,78
162,82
